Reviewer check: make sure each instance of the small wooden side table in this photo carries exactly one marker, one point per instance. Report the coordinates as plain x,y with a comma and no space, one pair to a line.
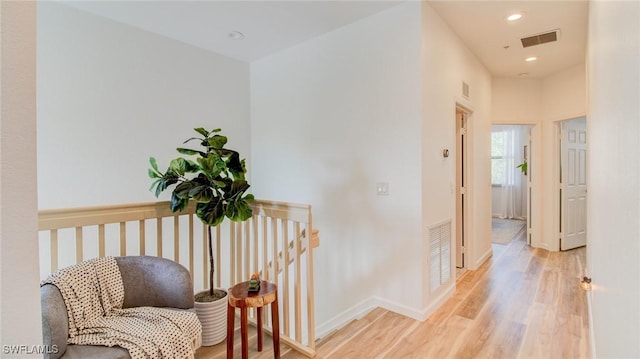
240,297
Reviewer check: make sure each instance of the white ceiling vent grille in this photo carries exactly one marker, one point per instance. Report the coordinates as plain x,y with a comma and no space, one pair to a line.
540,39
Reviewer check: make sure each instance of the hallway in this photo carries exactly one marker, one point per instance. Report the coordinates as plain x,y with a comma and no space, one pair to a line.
522,303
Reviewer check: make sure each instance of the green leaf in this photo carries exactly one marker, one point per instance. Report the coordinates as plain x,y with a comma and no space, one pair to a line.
179,166
238,187
190,152
153,171
215,130
201,193
177,203
202,131
236,166
163,183
212,165
239,210
217,141
223,183
154,185
154,164
182,190
212,212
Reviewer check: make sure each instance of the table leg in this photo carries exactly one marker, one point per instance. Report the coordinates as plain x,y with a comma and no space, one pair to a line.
244,332
259,314
275,328
231,315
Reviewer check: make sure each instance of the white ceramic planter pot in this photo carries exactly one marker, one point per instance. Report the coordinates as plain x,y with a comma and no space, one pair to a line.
213,318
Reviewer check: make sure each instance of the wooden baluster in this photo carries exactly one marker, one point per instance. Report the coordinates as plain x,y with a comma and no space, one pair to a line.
142,240
247,251
310,295
285,276
101,241
265,249
232,246
176,239
54,249
159,236
254,222
123,239
274,254
191,240
297,281
218,256
205,257
79,245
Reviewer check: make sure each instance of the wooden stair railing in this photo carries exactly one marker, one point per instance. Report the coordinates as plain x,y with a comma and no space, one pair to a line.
260,245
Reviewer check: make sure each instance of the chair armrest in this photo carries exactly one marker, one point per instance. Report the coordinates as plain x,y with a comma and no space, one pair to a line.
55,322
156,282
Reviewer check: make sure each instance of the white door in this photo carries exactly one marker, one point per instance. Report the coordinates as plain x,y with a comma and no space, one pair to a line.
574,185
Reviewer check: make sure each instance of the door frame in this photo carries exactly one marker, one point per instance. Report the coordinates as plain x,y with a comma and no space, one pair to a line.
463,162
534,157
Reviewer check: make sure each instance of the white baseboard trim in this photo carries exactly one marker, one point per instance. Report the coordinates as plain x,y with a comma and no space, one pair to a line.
592,339
357,311
546,246
361,309
482,259
438,301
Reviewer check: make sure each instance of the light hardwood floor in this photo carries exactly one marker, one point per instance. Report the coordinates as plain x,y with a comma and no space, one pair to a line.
522,303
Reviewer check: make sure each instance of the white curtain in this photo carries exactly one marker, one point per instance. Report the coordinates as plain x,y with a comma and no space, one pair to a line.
511,191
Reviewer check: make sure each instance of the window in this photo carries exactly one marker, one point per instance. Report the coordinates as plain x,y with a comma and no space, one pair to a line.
497,158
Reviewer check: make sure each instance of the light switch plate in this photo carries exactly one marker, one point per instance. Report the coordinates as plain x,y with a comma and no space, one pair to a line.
382,188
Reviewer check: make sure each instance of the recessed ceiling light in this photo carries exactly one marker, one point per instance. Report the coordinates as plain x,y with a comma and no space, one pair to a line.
523,74
514,16
530,59
236,35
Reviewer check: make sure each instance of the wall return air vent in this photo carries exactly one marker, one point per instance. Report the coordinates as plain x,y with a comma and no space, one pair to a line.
540,39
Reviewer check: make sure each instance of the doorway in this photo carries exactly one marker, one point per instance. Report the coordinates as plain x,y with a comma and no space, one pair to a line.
510,182
572,135
462,208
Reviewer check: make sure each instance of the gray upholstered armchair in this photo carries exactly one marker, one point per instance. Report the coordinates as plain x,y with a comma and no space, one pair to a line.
148,281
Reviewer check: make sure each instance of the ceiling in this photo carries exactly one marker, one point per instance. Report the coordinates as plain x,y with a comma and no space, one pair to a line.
483,27
270,26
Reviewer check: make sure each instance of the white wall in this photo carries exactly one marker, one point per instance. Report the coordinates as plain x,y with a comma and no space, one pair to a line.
516,101
332,117
564,97
446,64
613,215
110,96
371,102
20,322
542,103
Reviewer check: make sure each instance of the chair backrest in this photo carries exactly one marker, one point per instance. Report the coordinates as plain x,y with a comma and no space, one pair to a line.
155,282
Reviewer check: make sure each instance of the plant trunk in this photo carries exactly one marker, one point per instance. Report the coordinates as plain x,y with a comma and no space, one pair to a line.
211,262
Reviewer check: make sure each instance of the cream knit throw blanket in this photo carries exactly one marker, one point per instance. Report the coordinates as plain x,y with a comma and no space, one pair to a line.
93,293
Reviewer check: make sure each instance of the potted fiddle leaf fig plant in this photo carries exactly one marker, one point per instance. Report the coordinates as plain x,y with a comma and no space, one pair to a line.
214,178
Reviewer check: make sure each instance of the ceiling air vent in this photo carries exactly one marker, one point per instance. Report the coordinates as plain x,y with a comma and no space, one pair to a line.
465,90
540,39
